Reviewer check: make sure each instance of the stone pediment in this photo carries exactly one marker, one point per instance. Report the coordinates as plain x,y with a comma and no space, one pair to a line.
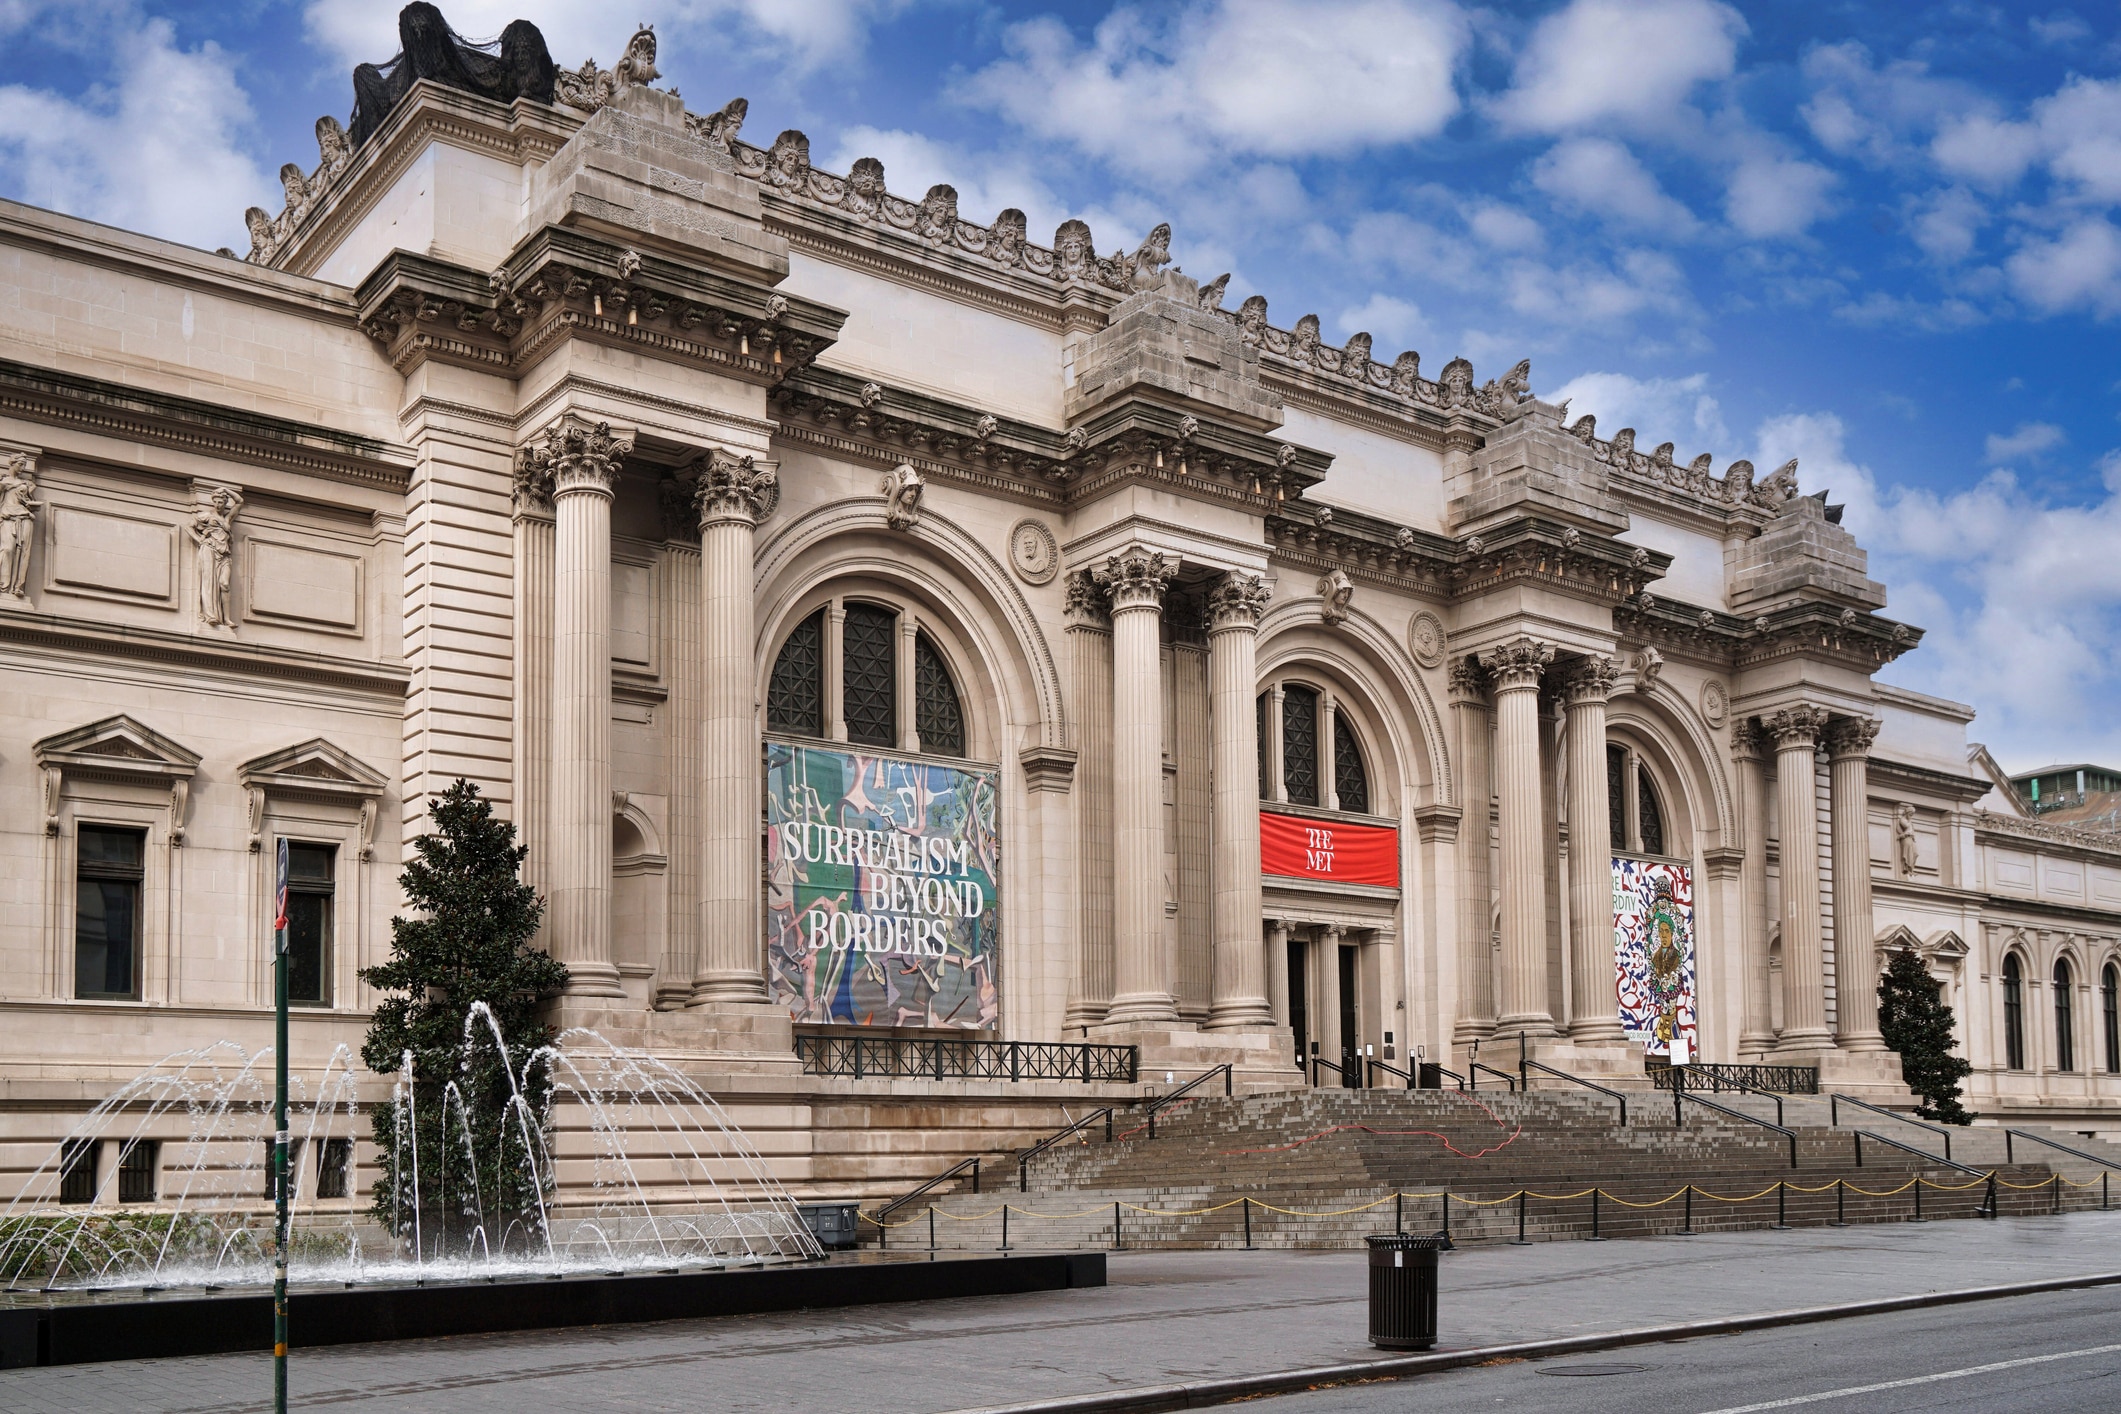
118,745
313,766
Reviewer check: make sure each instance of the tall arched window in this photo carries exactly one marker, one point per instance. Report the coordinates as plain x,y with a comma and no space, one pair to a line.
1634,812
1351,783
2065,1033
2013,1013
870,712
2110,1013
1299,743
1616,793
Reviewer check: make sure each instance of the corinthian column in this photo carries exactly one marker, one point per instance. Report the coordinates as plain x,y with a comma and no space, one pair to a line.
1142,991
1514,669
1596,1001
734,493
1238,996
1795,731
1476,788
1747,747
1855,956
583,462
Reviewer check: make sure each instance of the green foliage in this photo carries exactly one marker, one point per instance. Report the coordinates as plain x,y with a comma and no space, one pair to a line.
1916,1023
475,1112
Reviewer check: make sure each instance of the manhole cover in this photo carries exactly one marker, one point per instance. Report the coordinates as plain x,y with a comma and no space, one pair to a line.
1592,1369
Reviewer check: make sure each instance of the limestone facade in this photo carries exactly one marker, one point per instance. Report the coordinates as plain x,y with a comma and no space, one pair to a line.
524,442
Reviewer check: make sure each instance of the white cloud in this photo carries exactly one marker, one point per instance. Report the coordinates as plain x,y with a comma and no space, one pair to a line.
1272,78
1985,149
1619,61
1603,177
1659,409
1504,227
152,146
2080,267
1947,223
1395,323
2062,27
1777,196
1877,113
2026,439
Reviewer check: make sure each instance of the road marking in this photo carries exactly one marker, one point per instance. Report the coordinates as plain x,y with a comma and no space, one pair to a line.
1971,1370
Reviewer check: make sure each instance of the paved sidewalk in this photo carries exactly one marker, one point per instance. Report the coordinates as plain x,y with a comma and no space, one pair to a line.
1166,1317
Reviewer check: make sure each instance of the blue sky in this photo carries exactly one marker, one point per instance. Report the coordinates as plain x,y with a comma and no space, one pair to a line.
1880,237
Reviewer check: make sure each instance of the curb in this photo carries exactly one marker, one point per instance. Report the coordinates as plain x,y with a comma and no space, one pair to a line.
1199,1394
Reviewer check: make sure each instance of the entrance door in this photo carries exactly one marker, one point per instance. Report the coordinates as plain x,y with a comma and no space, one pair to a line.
1350,1038
1300,1002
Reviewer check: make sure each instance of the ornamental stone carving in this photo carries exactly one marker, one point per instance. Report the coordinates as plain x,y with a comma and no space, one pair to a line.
1468,682
1904,849
1852,736
1086,602
590,88
1592,679
1649,666
1425,638
719,128
1715,702
1238,601
1033,552
213,533
1748,742
18,524
1335,592
575,455
735,487
902,488
1136,579
1518,663
1795,728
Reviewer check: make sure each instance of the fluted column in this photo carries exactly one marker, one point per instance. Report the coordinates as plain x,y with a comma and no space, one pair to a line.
1238,996
1476,786
1795,731
733,494
1142,985
583,462
1325,960
1275,951
1090,643
1595,992
1515,669
1757,1034
1855,954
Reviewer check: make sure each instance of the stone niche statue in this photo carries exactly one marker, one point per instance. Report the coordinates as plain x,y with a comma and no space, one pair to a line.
213,531
518,66
18,523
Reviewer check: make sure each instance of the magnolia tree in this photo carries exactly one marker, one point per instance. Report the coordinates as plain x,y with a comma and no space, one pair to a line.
464,1140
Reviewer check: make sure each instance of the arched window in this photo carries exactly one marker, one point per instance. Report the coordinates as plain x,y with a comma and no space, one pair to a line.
1299,744
1259,728
1616,793
871,638
1634,813
2065,1033
2013,1013
1650,817
2110,1013
1350,782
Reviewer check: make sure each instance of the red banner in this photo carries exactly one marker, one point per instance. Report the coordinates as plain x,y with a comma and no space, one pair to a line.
1302,848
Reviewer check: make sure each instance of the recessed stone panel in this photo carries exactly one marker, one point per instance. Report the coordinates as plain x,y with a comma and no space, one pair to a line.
305,586
633,615
96,553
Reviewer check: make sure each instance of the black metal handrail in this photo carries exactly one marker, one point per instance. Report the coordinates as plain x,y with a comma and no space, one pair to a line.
944,1177
1526,1064
1226,1071
1862,1134
1371,1067
2107,1164
1337,1067
1766,1079
1023,1160
1473,1076
1835,1102
1677,1075
1677,1120
1441,1071
966,1058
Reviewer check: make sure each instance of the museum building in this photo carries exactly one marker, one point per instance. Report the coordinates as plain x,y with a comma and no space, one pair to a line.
880,625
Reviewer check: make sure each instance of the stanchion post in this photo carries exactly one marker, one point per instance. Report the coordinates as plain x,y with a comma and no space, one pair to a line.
1918,1200
1248,1224
1399,1212
1689,1228
1005,1227
1993,1211
1782,1206
1521,1241
1840,1198
931,1228
2055,1183
1447,1214
1115,1225
1594,1214
2104,1174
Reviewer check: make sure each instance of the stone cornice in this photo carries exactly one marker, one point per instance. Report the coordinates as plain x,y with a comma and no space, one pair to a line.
1437,566
244,660
1963,790
2092,841
207,429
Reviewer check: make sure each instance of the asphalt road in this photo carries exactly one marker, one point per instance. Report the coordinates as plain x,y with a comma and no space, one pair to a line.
2057,1354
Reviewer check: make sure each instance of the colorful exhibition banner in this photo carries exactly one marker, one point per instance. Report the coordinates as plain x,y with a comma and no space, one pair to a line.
882,907
1299,847
1653,954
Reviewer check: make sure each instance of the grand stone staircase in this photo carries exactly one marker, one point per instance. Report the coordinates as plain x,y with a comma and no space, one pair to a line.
1293,1163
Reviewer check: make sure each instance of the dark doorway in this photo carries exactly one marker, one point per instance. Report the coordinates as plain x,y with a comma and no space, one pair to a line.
1300,1002
1350,1038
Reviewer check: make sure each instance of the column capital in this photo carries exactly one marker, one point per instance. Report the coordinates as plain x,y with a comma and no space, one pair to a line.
1852,736
574,455
733,486
1518,664
1469,685
1748,742
1238,601
1796,728
1087,605
1590,679
1136,579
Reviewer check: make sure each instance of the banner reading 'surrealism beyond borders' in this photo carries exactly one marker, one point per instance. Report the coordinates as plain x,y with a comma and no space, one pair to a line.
881,900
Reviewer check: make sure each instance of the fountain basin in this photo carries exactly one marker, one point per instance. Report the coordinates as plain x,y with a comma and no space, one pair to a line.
81,1327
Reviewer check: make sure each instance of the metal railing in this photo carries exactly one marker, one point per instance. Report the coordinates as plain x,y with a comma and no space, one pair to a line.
1678,1119
1835,1102
1371,1067
1525,1065
952,1058
1988,1208
1473,1072
1767,1079
2009,1134
1676,1079
1442,1072
1023,1160
1335,1066
931,1185
1227,1072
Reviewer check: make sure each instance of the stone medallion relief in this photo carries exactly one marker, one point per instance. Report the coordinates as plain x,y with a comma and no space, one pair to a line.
1033,552
1425,639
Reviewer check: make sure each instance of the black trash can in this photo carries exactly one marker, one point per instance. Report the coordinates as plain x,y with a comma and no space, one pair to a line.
1403,1290
834,1225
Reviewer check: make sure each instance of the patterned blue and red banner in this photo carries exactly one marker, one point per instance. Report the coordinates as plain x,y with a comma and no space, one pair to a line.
1653,956
882,889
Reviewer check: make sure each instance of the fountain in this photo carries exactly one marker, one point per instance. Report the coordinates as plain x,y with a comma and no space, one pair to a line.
659,1178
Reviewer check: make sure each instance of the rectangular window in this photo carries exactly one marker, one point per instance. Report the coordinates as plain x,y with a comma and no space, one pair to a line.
77,1170
334,1167
136,1171
309,889
110,869
1299,744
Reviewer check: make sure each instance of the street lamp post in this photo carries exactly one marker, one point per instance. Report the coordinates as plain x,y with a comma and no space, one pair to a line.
279,1139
